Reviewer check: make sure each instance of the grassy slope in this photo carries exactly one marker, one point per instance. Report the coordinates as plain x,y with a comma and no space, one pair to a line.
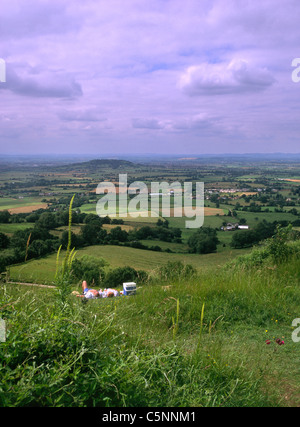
43,270
145,351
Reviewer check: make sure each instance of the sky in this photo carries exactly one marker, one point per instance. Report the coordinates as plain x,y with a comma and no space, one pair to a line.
149,76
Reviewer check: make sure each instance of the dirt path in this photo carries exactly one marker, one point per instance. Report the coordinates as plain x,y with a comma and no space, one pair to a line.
31,284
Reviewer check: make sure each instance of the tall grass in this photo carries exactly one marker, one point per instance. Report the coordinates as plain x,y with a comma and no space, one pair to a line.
199,341
91,360
27,247
63,279
176,322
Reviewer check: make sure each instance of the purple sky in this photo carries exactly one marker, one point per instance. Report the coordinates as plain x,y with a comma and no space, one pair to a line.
149,76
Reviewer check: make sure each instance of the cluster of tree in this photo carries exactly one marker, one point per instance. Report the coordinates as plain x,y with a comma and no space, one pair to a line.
38,241
248,238
26,244
32,243
94,234
156,233
258,208
203,241
50,220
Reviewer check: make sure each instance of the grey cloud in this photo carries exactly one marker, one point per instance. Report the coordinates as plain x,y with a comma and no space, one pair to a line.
34,18
42,84
131,62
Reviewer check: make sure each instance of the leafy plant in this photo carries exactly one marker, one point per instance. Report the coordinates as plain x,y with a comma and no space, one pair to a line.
278,247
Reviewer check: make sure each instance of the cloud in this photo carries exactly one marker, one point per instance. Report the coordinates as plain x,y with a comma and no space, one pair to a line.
237,77
41,83
80,116
198,122
97,78
31,18
147,124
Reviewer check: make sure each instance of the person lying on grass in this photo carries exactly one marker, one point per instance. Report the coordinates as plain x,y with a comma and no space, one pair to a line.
93,293
109,293
88,293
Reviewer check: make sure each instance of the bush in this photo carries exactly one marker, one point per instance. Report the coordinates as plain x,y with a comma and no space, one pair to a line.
155,248
90,269
136,245
278,248
256,258
117,276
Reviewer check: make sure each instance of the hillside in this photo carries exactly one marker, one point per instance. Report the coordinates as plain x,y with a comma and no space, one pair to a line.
209,340
98,164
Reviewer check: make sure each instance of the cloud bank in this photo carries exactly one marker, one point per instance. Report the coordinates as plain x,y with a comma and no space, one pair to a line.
137,76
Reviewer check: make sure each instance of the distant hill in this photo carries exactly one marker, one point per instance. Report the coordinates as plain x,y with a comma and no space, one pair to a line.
63,165
94,165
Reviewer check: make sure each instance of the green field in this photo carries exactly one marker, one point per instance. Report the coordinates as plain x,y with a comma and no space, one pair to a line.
12,228
7,203
43,270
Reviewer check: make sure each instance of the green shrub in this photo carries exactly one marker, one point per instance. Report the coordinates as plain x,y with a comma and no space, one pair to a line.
89,268
117,276
278,247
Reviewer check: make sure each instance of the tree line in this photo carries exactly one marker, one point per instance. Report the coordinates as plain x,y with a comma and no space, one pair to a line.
38,241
